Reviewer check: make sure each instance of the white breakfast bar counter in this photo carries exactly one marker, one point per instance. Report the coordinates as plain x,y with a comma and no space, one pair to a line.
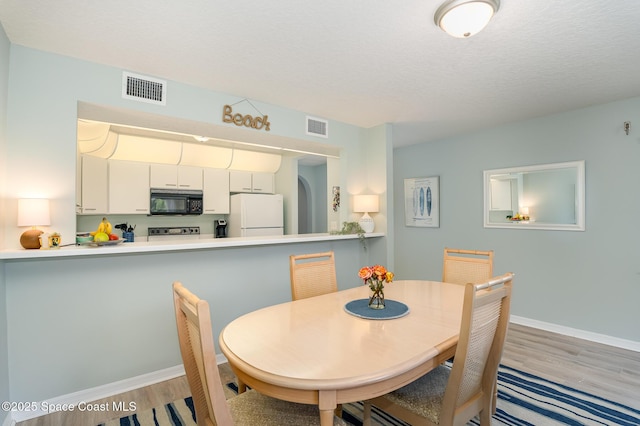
80,320
177,245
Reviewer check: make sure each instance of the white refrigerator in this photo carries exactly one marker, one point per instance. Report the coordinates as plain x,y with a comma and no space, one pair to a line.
256,215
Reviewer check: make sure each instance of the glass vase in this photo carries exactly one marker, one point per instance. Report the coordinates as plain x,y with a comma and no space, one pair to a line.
376,297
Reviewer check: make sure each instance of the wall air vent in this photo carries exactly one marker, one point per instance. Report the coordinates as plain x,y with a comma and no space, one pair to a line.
317,127
145,89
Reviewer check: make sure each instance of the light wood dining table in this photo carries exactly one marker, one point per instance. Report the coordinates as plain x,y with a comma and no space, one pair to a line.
313,351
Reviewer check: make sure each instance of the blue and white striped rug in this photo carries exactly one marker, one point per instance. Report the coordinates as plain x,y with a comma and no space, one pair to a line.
523,399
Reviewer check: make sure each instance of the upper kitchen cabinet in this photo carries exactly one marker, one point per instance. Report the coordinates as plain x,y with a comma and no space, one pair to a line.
263,182
239,181
189,177
215,196
175,177
128,187
93,185
243,181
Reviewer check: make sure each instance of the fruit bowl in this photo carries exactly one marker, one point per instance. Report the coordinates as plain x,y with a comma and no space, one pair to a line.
102,243
108,242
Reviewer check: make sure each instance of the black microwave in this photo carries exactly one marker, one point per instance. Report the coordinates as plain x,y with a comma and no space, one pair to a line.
175,202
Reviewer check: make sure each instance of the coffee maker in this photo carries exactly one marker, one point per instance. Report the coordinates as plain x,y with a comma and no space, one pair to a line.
220,226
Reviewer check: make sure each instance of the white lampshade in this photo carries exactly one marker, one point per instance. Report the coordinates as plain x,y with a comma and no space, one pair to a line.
366,204
464,18
33,212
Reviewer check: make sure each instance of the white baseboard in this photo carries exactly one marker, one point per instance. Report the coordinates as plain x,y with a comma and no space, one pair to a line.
580,334
104,391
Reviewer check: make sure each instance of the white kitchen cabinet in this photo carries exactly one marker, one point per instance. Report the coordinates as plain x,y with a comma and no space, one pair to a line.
215,194
128,187
239,181
175,177
263,182
243,181
189,177
163,176
93,186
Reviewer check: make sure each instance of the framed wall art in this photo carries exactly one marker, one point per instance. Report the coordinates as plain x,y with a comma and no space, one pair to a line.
422,202
335,202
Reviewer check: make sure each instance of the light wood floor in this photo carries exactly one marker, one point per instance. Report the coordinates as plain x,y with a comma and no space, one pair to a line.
602,370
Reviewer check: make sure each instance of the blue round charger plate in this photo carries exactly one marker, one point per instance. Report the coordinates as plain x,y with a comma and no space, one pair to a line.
392,309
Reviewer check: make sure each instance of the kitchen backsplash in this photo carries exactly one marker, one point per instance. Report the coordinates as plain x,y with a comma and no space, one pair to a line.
142,222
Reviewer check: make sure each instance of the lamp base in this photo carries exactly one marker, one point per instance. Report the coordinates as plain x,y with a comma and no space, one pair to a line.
366,223
30,239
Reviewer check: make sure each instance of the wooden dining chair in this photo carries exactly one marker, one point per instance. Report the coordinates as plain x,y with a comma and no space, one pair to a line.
452,396
466,266
211,406
312,274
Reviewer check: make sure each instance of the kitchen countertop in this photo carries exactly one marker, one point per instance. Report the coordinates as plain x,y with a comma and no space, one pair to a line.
166,246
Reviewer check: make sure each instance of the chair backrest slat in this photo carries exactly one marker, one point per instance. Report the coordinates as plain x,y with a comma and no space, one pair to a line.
312,274
466,266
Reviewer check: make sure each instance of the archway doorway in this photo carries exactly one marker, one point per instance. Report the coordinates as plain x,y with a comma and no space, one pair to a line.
305,222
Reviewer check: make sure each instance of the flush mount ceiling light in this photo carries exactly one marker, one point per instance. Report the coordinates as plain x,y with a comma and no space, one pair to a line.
464,18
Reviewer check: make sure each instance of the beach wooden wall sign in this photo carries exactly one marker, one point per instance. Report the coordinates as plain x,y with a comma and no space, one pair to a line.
246,120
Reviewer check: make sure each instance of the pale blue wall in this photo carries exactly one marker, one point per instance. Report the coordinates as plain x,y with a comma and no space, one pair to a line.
4,352
584,280
316,177
379,160
84,322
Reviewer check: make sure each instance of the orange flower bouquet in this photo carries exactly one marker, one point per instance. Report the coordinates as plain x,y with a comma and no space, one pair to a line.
375,277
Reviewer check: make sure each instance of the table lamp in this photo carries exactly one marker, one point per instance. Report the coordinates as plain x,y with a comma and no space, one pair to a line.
32,212
366,204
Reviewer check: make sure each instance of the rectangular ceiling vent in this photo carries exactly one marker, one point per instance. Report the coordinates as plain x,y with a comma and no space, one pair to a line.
145,89
317,127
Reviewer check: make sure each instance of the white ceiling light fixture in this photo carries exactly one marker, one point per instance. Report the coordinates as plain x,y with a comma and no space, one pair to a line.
464,18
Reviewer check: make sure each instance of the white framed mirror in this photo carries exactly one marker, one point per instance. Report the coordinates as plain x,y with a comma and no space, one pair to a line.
545,196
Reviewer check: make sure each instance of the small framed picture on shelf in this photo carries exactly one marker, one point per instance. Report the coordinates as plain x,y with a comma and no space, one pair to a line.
422,202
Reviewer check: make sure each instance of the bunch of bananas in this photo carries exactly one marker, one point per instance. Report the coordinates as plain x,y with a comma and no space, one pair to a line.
104,227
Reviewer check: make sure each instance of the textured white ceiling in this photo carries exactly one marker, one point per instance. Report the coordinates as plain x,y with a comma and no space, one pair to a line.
359,62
